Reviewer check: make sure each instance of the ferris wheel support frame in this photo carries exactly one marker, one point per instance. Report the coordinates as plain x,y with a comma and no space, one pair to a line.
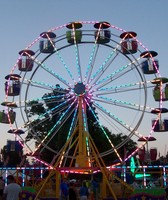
82,157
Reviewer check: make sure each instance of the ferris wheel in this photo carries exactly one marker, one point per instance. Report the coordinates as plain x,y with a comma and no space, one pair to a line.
84,81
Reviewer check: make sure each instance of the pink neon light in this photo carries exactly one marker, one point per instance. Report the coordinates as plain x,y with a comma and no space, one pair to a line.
89,95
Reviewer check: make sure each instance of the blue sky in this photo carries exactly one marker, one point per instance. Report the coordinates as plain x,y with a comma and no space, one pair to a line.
22,21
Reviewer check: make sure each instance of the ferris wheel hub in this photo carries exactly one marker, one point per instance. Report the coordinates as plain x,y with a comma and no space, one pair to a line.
79,89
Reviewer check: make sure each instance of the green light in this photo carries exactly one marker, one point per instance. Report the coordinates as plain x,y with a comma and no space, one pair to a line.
142,175
132,165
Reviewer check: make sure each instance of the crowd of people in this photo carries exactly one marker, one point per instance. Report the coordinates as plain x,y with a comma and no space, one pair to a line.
69,191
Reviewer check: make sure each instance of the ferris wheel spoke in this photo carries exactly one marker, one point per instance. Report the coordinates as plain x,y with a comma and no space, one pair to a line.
59,56
112,116
64,64
93,55
124,104
63,121
73,123
123,88
40,101
116,74
103,130
35,134
103,69
112,77
47,113
114,126
56,124
37,122
50,71
91,63
77,58
106,64
112,56
42,85
70,132
33,125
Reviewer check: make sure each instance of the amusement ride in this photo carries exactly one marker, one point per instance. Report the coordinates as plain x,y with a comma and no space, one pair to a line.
81,80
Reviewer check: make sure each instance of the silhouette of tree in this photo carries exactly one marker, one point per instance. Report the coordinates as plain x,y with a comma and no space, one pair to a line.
41,127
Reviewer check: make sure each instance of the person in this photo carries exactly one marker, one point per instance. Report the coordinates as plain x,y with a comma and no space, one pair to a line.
12,190
2,185
64,190
83,192
95,187
72,192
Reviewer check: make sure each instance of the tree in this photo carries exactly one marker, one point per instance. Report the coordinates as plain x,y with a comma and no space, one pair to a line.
52,110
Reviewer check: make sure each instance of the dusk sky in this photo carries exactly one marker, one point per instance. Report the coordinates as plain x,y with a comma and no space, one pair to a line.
22,22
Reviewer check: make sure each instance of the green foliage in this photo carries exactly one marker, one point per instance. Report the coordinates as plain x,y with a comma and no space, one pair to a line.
50,111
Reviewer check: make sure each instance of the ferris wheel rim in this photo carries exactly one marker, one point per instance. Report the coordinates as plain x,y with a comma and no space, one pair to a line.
48,56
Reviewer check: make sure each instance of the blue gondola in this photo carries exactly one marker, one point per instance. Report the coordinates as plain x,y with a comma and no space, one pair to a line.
47,44
14,146
102,36
149,65
12,85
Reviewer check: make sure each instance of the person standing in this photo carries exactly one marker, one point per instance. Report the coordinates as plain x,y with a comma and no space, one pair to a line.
95,187
2,185
83,192
13,190
64,190
72,192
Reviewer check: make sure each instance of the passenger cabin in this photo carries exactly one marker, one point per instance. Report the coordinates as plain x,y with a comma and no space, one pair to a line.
129,44
12,85
147,155
47,43
153,154
160,125
25,62
102,34
7,117
74,35
149,65
14,146
160,93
